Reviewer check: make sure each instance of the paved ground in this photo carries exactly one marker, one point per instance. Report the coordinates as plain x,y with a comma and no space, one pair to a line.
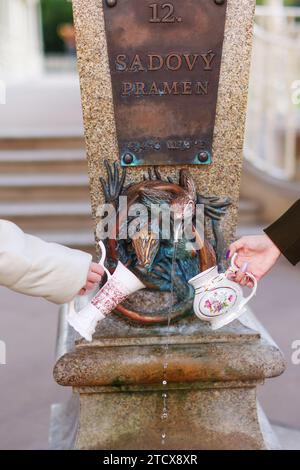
277,306
28,326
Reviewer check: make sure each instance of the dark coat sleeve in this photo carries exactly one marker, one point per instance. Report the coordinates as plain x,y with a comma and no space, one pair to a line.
285,233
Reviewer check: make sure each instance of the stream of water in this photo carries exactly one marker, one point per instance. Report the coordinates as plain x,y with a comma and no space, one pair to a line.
165,404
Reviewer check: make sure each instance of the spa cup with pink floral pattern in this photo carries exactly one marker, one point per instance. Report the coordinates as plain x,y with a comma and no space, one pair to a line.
218,299
118,287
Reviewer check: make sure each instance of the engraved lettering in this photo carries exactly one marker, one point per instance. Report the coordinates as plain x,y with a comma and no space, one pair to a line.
153,89
208,59
179,144
159,17
126,89
170,90
139,88
121,65
172,64
171,144
136,65
187,88
202,88
169,17
155,58
154,18
164,88
191,63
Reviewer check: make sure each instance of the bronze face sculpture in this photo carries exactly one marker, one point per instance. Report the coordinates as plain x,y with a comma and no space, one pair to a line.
161,264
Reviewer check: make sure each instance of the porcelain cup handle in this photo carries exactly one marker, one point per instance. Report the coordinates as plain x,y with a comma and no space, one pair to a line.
235,268
71,304
103,258
254,289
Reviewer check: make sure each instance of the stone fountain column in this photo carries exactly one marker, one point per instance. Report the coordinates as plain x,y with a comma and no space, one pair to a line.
212,376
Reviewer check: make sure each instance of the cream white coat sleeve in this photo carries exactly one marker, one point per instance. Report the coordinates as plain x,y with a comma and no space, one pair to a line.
34,267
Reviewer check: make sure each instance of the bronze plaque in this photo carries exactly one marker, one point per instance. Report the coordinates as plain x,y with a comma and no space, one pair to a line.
165,60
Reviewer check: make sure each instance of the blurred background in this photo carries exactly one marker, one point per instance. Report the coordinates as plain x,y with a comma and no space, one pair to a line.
44,189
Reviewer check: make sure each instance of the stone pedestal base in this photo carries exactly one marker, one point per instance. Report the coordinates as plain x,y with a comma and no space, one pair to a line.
206,418
212,379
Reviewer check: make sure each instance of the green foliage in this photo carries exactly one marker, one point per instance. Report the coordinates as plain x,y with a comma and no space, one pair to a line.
292,3
54,12
287,3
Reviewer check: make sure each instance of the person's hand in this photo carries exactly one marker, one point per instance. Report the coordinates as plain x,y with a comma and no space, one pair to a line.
255,254
94,277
